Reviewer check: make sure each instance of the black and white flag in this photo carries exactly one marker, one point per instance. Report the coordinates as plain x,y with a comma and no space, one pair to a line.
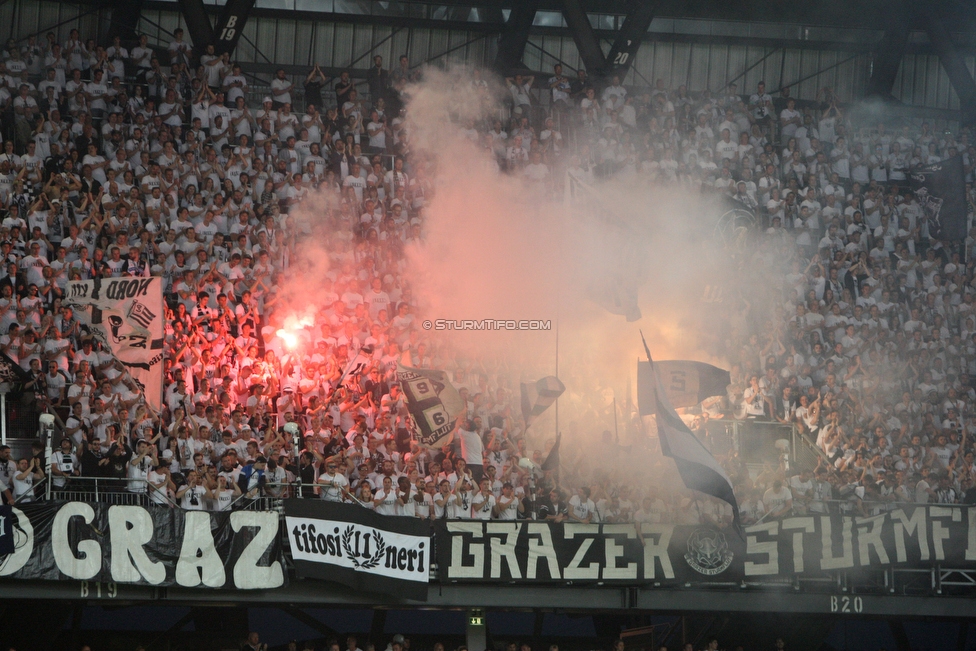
940,189
433,402
686,383
12,373
126,316
357,365
539,395
698,468
354,546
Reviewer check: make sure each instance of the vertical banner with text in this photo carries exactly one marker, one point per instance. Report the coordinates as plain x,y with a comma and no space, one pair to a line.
126,316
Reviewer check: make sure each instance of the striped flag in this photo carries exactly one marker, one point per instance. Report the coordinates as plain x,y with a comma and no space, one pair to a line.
552,459
357,365
698,468
537,396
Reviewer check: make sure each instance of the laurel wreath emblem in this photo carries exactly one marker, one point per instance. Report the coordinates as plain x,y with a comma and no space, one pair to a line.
376,557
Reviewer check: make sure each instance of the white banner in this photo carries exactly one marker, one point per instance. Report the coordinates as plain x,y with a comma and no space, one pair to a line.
126,316
360,547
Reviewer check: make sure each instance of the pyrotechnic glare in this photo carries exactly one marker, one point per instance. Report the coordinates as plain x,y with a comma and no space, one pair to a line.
293,326
290,338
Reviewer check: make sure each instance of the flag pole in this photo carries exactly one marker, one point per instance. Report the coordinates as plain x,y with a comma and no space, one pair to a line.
616,432
557,362
628,410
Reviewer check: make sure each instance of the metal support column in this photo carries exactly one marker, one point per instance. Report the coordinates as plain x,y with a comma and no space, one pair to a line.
902,643
586,41
632,32
953,63
197,24
493,13
511,43
890,50
125,20
378,626
230,25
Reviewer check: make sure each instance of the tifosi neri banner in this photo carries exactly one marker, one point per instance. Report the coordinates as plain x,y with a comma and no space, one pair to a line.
354,546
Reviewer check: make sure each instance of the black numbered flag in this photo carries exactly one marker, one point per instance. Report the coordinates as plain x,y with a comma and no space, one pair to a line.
698,468
940,189
686,383
433,402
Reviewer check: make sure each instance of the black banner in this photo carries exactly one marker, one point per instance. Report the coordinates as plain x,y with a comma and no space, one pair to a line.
6,530
354,546
940,189
151,545
810,545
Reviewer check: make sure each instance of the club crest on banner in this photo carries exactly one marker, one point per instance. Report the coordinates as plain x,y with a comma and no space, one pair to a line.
356,555
708,552
348,544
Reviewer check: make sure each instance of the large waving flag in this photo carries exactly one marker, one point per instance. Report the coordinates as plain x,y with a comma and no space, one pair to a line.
432,400
126,316
698,468
685,382
940,189
537,396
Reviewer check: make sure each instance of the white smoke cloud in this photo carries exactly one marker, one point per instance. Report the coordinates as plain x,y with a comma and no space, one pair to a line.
497,247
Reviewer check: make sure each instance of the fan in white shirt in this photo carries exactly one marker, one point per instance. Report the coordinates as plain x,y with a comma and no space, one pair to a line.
385,501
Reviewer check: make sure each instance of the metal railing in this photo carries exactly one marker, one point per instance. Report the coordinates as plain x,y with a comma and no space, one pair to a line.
108,490
34,495
272,495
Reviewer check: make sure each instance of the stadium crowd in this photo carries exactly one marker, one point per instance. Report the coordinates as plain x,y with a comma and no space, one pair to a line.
156,161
